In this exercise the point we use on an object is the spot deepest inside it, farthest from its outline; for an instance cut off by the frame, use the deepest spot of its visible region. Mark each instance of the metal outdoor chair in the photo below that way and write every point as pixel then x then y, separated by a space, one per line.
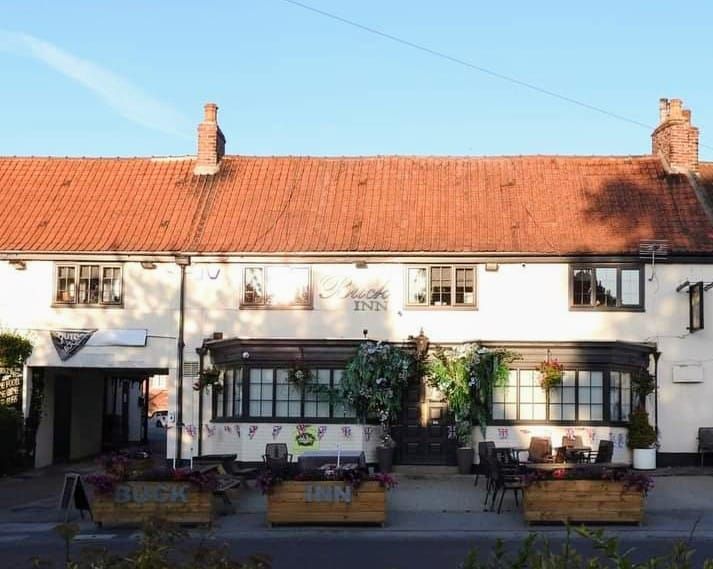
pixel 604 453
pixel 540 450
pixel 501 478
pixel 705 441
pixel 276 458
pixel 484 449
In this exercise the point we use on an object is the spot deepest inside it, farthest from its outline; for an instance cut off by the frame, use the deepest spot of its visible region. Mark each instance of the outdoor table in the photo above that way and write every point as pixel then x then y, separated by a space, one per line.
pixel 576 454
pixel 314 459
pixel 552 466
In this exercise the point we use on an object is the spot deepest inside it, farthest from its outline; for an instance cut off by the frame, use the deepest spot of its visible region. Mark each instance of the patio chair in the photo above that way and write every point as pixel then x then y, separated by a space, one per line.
pixel 705 441
pixel 503 477
pixel 540 450
pixel 276 458
pixel 604 453
pixel 484 448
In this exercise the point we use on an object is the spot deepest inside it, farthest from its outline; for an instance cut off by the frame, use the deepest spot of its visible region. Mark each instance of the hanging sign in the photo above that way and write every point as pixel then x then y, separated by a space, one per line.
pixel 695 307
pixel 69 342
pixel 10 386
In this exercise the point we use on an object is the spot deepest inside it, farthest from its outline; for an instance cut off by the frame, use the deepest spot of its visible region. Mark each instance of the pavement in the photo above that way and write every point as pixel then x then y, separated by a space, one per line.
pixel 428 499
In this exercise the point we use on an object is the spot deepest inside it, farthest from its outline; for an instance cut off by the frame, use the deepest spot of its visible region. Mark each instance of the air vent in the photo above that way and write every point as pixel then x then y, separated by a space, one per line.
pixel 191 369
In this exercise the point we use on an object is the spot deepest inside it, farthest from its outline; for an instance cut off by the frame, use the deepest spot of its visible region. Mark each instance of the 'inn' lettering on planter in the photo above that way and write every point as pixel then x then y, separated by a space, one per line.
pixel 321 493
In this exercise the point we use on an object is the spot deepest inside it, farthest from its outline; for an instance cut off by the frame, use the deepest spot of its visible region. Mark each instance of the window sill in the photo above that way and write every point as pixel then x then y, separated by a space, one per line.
pixel 89 306
pixel 573 308
pixel 273 307
pixel 288 420
pixel 415 307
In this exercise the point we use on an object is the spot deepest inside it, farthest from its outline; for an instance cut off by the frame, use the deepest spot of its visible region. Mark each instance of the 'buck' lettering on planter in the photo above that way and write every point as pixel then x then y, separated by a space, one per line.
pixel 144 493
pixel 318 493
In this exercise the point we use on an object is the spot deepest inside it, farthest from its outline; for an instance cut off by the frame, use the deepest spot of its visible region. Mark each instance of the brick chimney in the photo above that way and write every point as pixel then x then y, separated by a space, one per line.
pixel 211 142
pixel 675 139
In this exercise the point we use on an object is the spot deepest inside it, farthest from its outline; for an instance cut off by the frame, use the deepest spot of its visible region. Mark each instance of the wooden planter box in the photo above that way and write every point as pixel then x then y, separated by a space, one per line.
pixel 135 502
pixel 582 501
pixel 326 502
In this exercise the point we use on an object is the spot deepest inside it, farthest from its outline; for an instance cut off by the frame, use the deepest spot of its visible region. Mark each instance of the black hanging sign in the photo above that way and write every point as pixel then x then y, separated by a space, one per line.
pixel 69 342
pixel 695 303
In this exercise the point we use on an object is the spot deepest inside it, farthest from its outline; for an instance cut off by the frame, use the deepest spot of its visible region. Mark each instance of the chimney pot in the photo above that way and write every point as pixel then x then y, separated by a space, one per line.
pixel 210 112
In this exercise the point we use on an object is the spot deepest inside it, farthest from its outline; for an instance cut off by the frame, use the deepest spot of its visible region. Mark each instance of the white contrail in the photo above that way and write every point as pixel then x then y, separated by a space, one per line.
pixel 127 99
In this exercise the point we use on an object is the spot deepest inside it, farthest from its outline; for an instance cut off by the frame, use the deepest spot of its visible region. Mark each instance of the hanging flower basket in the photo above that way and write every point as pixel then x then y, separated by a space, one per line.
pixel 299 376
pixel 551 372
pixel 209 378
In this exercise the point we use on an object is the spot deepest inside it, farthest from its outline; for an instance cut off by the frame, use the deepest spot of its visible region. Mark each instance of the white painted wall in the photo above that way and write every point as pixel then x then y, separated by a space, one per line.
pixel 518 302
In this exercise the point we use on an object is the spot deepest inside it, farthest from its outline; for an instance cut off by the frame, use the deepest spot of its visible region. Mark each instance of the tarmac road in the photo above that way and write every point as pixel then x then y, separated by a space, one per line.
pixel 334 549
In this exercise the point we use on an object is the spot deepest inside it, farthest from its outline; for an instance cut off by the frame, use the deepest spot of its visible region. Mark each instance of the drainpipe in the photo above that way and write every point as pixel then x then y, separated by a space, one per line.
pixel 182 262
pixel 657 355
pixel 201 357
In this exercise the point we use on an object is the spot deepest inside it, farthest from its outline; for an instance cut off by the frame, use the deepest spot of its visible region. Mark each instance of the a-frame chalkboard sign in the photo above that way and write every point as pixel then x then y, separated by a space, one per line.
pixel 73 489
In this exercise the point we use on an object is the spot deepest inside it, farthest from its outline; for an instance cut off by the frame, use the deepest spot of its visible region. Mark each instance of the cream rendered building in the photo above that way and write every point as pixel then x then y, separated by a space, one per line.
pixel 252 265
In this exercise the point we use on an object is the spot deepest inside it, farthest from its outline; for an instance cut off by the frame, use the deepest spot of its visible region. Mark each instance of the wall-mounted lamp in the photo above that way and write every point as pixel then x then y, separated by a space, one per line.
pixel 246 355
pixel 19 265
pixel 361 265
pixel 148 264
pixel 492 266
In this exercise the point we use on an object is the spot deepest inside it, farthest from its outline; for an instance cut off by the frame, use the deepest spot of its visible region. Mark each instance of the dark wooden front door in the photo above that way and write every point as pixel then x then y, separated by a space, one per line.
pixel 422 436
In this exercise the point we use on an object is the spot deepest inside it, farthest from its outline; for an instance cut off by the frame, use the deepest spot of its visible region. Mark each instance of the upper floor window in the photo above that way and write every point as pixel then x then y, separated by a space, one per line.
pixel 441 286
pixel 87 284
pixel 277 286
pixel 606 287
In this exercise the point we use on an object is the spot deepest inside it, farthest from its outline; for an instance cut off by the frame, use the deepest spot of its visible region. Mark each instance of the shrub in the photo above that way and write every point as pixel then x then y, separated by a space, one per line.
pixel 10 431
pixel 641 433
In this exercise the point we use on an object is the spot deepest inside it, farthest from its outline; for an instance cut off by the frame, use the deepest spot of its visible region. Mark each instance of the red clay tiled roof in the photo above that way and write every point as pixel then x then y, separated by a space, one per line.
pixel 538 204
pixel 705 169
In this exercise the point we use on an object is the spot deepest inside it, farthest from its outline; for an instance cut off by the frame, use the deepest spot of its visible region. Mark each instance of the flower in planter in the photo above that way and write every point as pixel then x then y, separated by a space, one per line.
pixel 119 469
pixel 551 372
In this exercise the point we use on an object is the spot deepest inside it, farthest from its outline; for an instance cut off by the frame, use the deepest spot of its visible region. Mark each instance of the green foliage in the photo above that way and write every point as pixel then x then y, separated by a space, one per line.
pixel 10 436
pixel 641 433
pixel 374 381
pixel 534 555
pixel 159 548
pixel 643 384
pixel 14 349
pixel 466 376
pixel 209 378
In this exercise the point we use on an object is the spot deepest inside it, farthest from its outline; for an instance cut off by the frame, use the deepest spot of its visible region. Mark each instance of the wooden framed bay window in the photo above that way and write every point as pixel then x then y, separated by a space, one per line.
pixel 276 286
pixel 606 287
pixel 264 393
pixel 88 284
pixel 441 286
pixel 585 396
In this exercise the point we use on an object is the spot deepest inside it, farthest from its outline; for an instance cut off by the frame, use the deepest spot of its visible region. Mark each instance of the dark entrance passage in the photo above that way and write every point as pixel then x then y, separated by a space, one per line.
pixel 422 436
pixel 62 431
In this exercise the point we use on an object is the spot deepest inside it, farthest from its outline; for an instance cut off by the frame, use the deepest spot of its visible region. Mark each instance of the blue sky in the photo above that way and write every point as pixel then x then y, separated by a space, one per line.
pixel 130 78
